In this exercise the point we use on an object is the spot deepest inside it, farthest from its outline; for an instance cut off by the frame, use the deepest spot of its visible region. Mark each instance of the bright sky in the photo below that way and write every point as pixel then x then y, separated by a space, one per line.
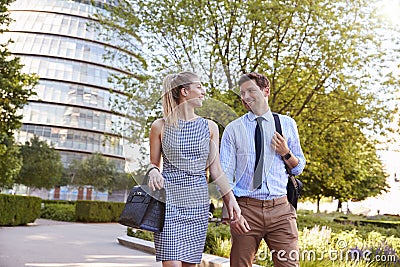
pixel 391 9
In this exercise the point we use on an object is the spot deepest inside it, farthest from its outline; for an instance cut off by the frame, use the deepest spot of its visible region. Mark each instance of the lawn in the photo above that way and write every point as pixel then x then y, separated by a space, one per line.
pixel 325 239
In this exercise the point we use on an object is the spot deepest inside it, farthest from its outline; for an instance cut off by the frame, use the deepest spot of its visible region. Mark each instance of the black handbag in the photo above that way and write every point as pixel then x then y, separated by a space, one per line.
pixel 144 208
pixel 294 186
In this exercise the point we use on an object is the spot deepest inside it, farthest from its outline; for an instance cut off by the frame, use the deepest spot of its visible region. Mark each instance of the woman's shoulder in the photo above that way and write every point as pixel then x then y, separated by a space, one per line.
pixel 211 123
pixel 158 124
pixel 213 127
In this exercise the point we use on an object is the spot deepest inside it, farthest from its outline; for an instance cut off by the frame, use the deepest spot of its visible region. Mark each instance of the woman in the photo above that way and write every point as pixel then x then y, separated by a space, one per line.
pixel 187 144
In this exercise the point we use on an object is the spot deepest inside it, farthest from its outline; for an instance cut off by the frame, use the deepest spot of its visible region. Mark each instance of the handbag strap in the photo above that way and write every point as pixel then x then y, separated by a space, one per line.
pixel 146 176
pixel 157 194
pixel 278 128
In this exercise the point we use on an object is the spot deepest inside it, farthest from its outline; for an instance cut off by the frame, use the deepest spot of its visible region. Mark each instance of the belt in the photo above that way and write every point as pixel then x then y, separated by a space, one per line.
pixel 263 203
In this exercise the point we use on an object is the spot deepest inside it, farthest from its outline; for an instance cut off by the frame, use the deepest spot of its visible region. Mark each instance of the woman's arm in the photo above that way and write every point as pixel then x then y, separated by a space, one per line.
pixel 156 181
pixel 219 176
pixel 215 168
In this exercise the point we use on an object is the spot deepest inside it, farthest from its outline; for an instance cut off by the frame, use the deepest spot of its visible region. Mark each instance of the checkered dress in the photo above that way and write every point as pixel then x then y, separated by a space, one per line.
pixel 185 151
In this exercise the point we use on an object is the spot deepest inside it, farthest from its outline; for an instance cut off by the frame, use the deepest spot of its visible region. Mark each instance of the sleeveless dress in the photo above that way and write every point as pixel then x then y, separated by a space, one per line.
pixel 185 150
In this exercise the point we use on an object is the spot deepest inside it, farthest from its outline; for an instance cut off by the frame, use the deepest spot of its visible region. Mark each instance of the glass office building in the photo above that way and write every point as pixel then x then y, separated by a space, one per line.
pixel 72 107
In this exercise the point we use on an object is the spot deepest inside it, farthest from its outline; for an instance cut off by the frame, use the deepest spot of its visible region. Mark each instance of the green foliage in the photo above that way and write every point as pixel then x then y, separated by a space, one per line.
pixel 345 246
pixel 18 210
pixel 145 235
pixel 122 181
pixel 327 62
pixel 58 201
pixel 15 89
pixel 337 222
pixel 95 170
pixel 10 161
pixel 98 211
pixel 379 223
pixel 135 96
pixel 41 165
pixel 58 212
pixel 218 240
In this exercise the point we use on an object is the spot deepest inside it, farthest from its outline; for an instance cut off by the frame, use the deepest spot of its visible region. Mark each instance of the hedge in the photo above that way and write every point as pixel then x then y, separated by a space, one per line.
pixel 98 211
pixel 18 210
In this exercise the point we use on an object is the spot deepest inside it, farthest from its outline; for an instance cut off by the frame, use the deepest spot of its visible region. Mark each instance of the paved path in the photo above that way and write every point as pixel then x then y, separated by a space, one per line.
pixel 48 243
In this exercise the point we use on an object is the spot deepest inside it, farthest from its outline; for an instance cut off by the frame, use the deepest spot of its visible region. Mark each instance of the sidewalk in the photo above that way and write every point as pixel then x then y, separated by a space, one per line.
pixel 48 243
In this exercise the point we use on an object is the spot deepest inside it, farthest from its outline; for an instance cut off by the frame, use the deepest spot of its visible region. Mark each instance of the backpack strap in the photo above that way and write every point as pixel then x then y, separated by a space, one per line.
pixel 278 128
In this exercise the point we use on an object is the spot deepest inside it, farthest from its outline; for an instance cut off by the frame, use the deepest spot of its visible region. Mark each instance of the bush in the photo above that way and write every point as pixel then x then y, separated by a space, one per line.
pixel 18 210
pixel 142 234
pixel 52 201
pixel 58 212
pixel 218 240
pixel 98 211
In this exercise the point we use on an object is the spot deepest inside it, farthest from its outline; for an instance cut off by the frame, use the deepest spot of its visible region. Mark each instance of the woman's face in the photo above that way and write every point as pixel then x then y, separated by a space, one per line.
pixel 195 94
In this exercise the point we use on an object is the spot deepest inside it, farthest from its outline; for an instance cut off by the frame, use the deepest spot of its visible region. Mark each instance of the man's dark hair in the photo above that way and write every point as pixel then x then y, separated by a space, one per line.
pixel 260 79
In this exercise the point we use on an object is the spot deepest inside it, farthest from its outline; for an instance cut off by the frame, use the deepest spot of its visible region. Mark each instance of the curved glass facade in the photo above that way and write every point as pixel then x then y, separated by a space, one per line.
pixel 72 108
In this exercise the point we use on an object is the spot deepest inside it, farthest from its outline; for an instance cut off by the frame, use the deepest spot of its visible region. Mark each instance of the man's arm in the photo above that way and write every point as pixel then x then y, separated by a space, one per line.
pixel 288 147
pixel 296 150
pixel 228 155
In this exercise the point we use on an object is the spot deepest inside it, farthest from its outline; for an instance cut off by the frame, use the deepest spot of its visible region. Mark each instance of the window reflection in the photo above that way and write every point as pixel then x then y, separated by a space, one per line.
pixel 73 139
pixel 54 40
pixel 70 116
pixel 73 71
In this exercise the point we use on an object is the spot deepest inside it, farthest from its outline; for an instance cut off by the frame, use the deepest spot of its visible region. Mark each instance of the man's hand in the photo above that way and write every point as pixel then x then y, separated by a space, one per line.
pixel 279 144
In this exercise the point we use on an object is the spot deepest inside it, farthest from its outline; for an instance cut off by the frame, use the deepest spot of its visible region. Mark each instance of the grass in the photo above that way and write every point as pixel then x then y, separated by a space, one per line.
pixel 320 234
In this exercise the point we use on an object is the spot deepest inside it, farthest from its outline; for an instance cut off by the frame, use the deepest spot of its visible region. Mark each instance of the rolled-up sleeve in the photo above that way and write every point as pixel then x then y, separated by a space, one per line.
pixel 228 155
pixel 295 147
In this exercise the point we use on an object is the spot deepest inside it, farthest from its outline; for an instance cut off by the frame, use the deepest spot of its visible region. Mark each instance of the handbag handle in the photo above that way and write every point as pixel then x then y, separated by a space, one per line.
pixel 158 194
pixel 146 176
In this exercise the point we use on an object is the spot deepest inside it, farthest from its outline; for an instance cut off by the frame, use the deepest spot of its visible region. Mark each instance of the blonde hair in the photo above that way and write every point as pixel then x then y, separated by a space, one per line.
pixel 172 85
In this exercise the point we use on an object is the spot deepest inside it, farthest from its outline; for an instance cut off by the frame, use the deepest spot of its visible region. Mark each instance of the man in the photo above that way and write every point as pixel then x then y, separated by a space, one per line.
pixel 260 188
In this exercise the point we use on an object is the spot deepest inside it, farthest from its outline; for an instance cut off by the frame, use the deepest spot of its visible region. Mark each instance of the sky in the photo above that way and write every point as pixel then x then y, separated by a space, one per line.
pixel 391 9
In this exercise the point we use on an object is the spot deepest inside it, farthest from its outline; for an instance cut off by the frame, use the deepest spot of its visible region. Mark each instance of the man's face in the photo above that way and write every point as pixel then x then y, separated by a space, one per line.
pixel 252 95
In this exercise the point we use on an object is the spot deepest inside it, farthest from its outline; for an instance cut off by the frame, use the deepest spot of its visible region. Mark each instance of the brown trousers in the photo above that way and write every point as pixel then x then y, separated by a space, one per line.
pixel 271 220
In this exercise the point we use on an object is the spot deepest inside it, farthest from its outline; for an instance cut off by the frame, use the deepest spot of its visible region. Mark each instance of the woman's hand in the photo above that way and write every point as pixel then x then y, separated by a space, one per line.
pixel 232 206
pixel 156 181
pixel 237 222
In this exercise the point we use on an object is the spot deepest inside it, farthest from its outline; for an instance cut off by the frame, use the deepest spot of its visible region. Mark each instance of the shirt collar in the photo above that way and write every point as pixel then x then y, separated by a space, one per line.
pixel 267 116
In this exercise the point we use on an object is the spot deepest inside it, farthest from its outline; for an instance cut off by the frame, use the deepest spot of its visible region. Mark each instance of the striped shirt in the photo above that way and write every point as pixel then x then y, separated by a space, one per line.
pixel 238 156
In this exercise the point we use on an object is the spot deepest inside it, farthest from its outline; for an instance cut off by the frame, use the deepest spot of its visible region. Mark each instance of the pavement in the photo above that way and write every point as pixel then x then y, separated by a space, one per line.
pixel 47 243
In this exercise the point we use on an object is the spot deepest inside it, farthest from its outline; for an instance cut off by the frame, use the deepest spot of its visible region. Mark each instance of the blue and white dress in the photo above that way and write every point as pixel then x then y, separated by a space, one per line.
pixel 185 150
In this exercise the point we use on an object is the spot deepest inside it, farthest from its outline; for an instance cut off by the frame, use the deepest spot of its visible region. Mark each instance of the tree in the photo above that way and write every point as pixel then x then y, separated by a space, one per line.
pixel 122 181
pixel 95 170
pixel 41 165
pixel 10 162
pixel 15 89
pixel 134 95
pixel 322 57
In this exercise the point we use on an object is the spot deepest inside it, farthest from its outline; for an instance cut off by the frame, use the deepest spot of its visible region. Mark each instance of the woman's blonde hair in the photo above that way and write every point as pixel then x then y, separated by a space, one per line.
pixel 172 85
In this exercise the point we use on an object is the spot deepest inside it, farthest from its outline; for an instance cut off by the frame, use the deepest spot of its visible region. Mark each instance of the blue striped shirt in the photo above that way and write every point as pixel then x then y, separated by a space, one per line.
pixel 238 156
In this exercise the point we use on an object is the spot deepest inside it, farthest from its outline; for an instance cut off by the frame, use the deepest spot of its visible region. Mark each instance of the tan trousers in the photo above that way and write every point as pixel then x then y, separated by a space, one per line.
pixel 271 220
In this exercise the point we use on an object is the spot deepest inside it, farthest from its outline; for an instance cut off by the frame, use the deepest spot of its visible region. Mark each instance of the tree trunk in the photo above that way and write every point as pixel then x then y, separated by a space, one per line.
pixel 339 206
pixel 126 194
